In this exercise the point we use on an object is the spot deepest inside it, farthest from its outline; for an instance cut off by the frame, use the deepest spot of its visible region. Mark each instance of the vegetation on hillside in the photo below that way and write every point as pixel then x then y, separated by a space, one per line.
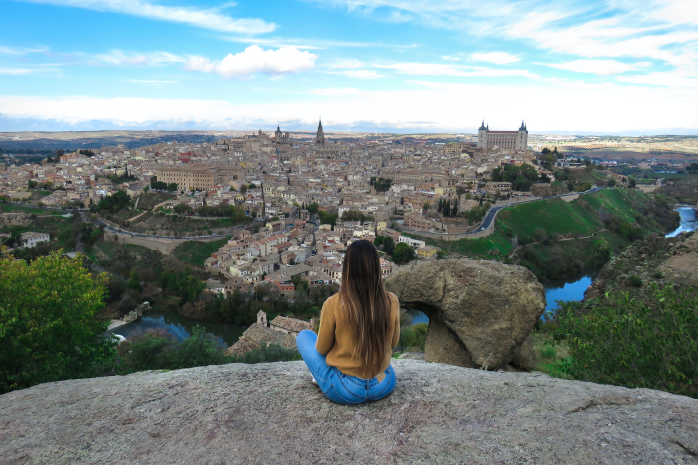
pixel 544 236
pixel 649 342
pixel 196 252
pixel 47 327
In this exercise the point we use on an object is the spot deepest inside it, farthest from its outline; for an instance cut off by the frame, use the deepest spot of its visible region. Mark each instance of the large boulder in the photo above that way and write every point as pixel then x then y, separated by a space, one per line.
pixel 480 312
pixel 271 413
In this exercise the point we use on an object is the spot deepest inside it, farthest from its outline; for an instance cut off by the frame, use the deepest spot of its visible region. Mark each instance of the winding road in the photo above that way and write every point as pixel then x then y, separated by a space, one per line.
pixel 113 230
pixel 492 212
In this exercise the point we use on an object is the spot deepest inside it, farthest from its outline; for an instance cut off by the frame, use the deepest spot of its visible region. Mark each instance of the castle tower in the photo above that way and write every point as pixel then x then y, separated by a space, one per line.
pixel 320 138
pixel 482 136
pixel 522 137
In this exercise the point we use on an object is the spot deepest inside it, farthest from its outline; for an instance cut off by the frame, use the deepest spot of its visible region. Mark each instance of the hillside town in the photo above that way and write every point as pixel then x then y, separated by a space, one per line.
pixel 307 199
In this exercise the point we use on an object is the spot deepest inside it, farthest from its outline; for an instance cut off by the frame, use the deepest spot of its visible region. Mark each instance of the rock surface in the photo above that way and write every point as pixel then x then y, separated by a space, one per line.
pixel 656 259
pixel 480 312
pixel 273 414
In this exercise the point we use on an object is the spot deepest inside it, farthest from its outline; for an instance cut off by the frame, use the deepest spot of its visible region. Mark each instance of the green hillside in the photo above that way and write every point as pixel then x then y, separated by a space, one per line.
pixel 547 231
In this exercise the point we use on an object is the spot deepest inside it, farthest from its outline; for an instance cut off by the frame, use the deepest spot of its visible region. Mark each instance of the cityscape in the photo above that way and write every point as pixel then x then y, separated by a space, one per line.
pixel 343 231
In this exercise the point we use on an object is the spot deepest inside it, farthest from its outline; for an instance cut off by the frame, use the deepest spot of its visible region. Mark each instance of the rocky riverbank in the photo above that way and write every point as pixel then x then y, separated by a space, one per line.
pixel 657 259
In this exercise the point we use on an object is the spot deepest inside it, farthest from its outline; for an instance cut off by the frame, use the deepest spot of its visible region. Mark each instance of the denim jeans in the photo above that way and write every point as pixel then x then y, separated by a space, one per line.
pixel 338 387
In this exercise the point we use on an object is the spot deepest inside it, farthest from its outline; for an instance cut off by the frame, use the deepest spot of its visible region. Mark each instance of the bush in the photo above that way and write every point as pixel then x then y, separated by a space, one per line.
pixel 157 350
pixel 635 280
pixel 635 343
pixel 267 354
pixel 414 336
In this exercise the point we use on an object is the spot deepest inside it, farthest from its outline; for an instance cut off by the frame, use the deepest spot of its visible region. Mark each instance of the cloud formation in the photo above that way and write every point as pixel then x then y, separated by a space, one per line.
pixel 254 60
pixel 598 67
pixel 498 58
pixel 204 18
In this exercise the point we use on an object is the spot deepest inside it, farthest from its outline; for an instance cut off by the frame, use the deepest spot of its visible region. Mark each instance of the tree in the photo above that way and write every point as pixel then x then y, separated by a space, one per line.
pixel 146 189
pixel 328 218
pixel 182 208
pixel 133 282
pixel 313 208
pixel 388 245
pixel 172 187
pixel 403 253
pixel 611 183
pixel 115 202
pixel 426 206
pixel 631 182
pixel 47 327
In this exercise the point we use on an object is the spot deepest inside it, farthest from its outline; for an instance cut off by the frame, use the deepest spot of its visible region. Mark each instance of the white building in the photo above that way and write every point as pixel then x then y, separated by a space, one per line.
pixel 412 242
pixel 507 140
pixel 30 239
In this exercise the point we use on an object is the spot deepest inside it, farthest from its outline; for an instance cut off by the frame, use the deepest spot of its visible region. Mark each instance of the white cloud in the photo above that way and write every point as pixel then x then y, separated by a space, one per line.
pixel 203 18
pixel 436 69
pixel 665 79
pixel 148 81
pixel 361 74
pixel 253 60
pixel 21 50
pixel 17 71
pixel 679 11
pixel 598 67
pixel 598 108
pixel 121 58
pixel 338 92
pixel 499 58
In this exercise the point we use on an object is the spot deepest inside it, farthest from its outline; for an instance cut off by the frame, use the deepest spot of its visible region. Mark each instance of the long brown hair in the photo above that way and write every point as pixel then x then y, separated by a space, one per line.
pixel 365 304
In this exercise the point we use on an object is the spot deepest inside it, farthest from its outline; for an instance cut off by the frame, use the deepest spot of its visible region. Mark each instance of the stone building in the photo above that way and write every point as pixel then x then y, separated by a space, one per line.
pixel 282 331
pixel 188 177
pixel 507 140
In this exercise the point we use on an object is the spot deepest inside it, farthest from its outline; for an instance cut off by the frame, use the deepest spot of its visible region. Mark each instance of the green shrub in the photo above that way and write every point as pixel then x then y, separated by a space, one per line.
pixel 635 280
pixel 548 352
pixel 414 336
pixel 650 343
pixel 267 354
pixel 158 350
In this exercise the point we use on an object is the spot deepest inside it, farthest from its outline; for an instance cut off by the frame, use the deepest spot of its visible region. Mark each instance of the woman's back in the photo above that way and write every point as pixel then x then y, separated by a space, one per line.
pixel 338 340
pixel 359 327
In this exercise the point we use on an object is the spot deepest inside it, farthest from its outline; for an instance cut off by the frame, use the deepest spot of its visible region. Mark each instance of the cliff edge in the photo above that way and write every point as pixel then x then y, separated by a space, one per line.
pixel 273 414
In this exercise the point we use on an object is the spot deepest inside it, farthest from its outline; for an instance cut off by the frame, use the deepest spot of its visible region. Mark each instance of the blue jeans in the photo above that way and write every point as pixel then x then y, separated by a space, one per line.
pixel 338 387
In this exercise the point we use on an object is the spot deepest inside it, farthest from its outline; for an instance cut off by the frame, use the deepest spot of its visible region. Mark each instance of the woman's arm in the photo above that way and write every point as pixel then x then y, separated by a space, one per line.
pixel 396 330
pixel 325 337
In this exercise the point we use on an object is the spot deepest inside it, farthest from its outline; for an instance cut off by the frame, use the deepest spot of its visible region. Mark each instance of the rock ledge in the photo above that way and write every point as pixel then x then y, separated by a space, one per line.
pixel 272 414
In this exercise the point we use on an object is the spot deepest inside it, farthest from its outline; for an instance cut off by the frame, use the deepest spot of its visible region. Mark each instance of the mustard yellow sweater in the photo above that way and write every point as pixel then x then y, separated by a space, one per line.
pixel 336 340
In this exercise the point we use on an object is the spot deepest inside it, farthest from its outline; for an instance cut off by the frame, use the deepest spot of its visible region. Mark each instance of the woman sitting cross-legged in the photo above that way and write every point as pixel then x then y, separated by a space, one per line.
pixel 359 327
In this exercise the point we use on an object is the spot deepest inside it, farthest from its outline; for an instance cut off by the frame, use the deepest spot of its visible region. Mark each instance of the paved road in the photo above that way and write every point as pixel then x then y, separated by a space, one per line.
pixel 117 230
pixel 492 212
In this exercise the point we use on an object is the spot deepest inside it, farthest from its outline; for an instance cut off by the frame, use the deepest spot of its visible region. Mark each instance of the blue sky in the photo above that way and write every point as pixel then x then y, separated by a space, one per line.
pixel 363 65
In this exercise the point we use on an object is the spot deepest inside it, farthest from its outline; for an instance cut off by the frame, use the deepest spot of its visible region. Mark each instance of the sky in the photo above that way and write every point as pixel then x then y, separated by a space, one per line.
pixel 563 66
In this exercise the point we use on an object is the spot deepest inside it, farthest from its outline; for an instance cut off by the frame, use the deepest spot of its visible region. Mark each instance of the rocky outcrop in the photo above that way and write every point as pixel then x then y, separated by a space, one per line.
pixel 273 414
pixel 480 312
pixel 656 259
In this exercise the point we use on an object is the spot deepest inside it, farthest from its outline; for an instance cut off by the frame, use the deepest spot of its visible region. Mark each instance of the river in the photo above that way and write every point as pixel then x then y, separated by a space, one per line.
pixel 569 289
pixel 180 327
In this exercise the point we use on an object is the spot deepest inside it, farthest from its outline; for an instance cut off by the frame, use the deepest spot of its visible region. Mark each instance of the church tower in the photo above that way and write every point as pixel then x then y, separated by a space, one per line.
pixel 320 138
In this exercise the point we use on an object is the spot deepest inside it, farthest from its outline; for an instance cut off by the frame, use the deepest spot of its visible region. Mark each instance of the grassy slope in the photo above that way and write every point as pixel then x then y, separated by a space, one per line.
pixel 565 218
pixel 196 252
